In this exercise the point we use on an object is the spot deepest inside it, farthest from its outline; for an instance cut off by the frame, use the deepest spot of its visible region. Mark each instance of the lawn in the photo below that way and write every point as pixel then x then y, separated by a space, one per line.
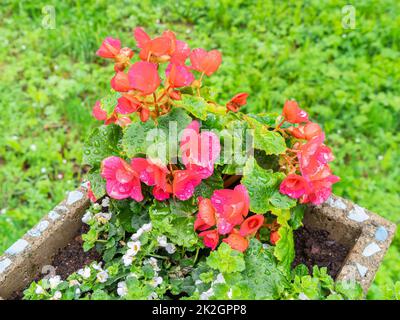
pixel 347 79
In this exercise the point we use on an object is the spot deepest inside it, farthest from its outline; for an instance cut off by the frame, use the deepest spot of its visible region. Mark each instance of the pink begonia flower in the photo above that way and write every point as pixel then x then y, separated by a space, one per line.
pixel 184 183
pixel 120 82
pixel 231 207
pixel 210 238
pixel 153 175
pixel 181 52
pixel 206 216
pixel 294 186
pixel 179 76
pixel 237 242
pixel 199 150
pixel 293 114
pixel 109 48
pixel 205 61
pixel 98 112
pixel 143 76
pixel 127 105
pixel 122 181
pixel 251 225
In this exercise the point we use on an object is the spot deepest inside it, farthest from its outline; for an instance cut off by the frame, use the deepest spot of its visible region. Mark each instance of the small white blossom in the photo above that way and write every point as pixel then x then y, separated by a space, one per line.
pixel 87 217
pixel 57 295
pixel 147 227
pixel 54 282
pixel 207 294
pixel 122 289
pixel 198 282
pixel 303 296
pixel 156 281
pixel 3 211
pixel 230 292
pixel 33 147
pixel 39 290
pixel 170 248
pixel 105 202
pixel 127 260
pixel 162 241
pixel 73 283
pixel 97 266
pixel 96 206
pixel 103 217
pixel 153 262
pixel 380 157
pixel 220 279
pixel 134 247
pixel 84 273
pixel 137 235
pixel 43 170
pixel 78 292
pixel 102 276
pixel 152 296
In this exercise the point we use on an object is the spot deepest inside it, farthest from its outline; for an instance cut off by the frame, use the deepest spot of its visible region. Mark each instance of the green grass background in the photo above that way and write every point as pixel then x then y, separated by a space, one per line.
pixel 348 80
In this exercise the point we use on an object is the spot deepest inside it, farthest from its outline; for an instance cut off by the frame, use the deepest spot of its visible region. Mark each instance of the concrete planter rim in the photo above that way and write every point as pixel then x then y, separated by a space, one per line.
pixel 367 234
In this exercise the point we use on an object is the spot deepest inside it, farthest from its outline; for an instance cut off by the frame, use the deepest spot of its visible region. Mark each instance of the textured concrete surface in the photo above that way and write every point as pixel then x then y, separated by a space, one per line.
pixel 24 260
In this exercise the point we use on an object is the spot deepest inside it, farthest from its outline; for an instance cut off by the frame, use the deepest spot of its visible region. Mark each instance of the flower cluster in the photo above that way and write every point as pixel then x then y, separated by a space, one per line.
pixel 227 210
pixel 199 153
pixel 314 183
pixel 140 87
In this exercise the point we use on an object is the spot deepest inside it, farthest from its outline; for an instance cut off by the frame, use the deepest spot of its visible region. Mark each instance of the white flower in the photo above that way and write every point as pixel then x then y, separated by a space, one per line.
pixel 84 273
pixel 96 206
pixel 87 217
pixel 33 147
pixel 3 211
pixel 39 290
pixel 134 247
pixel 73 283
pixel 162 241
pixel 170 247
pixel 132 275
pixel 207 294
pixel 302 296
pixel 54 282
pixel 57 295
pixel 105 202
pixel 152 296
pixel 220 279
pixel 230 292
pixel 147 227
pixel 102 276
pixel 127 260
pixel 78 292
pixel 103 217
pixel 153 262
pixel 43 170
pixel 137 235
pixel 198 282
pixel 97 266
pixel 156 281
pixel 122 289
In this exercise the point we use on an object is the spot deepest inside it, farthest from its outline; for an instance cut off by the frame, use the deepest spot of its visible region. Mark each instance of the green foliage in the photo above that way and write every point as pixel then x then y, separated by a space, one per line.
pixel 197 106
pixel 226 260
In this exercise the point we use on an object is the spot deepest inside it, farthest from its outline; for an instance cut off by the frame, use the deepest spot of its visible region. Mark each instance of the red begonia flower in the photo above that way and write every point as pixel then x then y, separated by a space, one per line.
pixel 98 112
pixel 153 175
pixel 237 101
pixel 144 114
pixel 274 237
pixel 109 48
pixel 122 181
pixel 159 46
pixel 120 82
pixel 237 242
pixel 122 59
pixel 293 114
pixel 184 183
pixel 251 225
pixel 294 186
pixel 127 104
pixel 231 207
pixel 199 150
pixel 90 193
pixel 210 238
pixel 308 131
pixel 143 76
pixel 207 62
pixel 178 76
pixel 181 53
pixel 206 216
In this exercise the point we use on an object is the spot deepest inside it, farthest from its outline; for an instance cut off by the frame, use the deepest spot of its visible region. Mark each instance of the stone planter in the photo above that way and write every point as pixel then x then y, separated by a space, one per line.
pixel 367 234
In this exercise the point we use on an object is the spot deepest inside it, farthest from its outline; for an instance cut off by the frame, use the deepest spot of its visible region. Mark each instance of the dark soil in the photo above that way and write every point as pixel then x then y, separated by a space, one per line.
pixel 314 247
pixel 69 259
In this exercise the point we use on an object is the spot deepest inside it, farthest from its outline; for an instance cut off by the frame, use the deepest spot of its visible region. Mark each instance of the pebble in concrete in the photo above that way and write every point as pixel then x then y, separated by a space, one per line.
pixel 73 197
pixel 362 270
pixel 4 264
pixel 371 249
pixel 338 203
pixel 381 233
pixel 17 247
pixel 37 231
pixel 358 214
pixel 53 215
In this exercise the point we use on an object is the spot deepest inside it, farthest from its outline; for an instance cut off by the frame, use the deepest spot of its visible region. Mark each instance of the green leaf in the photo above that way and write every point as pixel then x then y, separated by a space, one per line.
pixel 102 143
pixel 197 106
pixel 271 142
pixel 109 102
pixel 97 184
pixel 137 136
pixel 226 260
pixel 296 216
pixel 284 249
pixel 207 186
pixel 263 188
